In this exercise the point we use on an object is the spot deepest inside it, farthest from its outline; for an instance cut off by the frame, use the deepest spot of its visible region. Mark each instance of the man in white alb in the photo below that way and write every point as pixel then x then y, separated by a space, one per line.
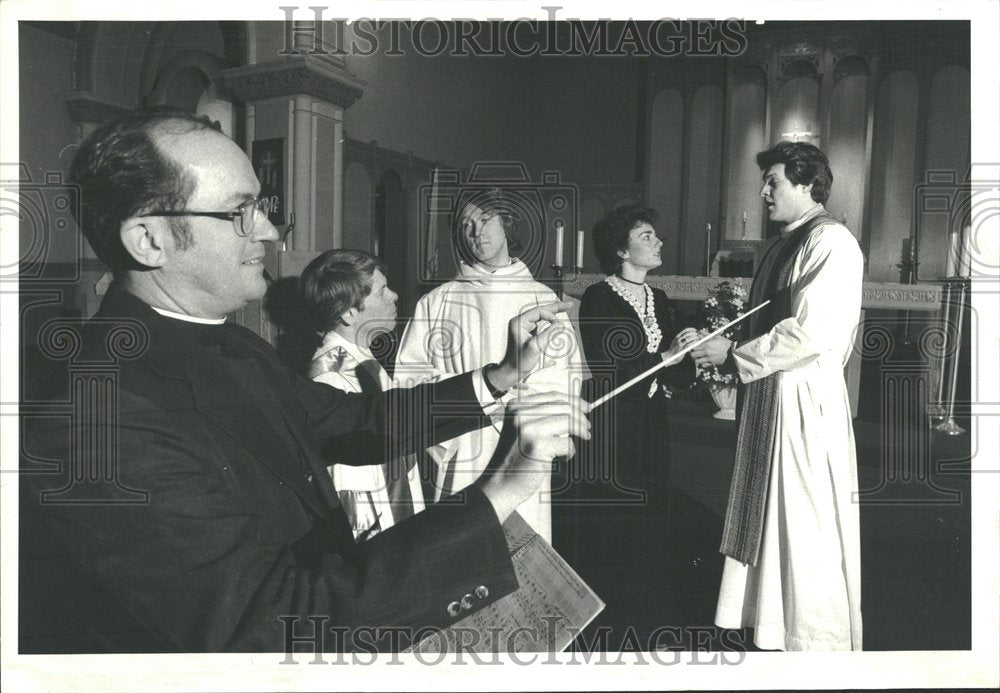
pixel 791 534
pixel 461 323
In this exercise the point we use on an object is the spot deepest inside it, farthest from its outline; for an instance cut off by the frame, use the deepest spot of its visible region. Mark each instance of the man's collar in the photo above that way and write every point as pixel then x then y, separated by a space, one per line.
pixel 809 214
pixel 188 318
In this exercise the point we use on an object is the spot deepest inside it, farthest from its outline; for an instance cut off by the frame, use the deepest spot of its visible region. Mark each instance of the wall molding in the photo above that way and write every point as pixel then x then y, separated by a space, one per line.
pixel 295 75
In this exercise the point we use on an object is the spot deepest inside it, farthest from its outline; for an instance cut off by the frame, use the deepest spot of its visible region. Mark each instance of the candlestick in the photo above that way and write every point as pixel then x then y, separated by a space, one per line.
pixel 708 249
pixel 743 235
pixel 559 243
pixel 579 248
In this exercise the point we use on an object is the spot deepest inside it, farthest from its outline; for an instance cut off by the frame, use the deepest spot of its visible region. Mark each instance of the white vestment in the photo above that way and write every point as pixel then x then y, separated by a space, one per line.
pixel 462 325
pixel 362 489
pixel 805 592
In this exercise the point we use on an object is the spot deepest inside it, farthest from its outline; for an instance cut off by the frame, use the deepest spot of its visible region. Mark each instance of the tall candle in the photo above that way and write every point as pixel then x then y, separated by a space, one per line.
pixel 954 247
pixel 965 256
pixel 708 249
pixel 559 244
pixel 579 248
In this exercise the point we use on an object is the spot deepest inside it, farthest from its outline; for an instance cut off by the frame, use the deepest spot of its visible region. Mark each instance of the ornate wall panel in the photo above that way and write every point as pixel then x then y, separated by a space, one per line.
pixel 704 177
pixel 747 127
pixel 665 156
pixel 892 173
pixel 846 149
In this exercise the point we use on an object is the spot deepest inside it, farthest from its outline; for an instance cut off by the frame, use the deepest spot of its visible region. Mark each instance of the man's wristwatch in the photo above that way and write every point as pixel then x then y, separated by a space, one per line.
pixel 494 392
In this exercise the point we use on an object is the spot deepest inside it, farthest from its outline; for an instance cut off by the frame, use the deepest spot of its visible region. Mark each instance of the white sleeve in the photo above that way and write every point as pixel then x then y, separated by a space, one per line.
pixel 560 368
pixel 415 366
pixel 826 302
pixel 413 359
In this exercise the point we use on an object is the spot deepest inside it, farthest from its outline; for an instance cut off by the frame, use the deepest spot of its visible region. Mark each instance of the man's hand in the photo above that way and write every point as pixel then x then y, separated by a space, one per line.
pixel 712 353
pixel 545 421
pixel 527 336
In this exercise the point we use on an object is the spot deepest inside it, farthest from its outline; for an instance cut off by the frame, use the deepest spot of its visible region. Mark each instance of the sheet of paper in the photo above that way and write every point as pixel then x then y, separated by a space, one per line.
pixel 550 607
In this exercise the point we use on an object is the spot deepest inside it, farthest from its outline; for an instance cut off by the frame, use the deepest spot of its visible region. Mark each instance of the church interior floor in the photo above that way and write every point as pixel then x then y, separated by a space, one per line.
pixel 915 532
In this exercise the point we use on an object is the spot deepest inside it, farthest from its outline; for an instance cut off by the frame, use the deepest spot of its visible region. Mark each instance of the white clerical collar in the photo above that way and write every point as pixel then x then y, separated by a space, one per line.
pixel 188 318
pixel 810 213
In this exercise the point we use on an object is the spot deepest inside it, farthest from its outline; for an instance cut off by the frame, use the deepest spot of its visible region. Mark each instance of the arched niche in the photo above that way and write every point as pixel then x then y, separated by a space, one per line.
pixel 893 160
pixel 358 207
pixel 948 143
pixel 795 110
pixel 747 129
pixel 847 142
pixel 666 148
pixel 391 235
pixel 703 176
pixel 591 211
pixel 192 80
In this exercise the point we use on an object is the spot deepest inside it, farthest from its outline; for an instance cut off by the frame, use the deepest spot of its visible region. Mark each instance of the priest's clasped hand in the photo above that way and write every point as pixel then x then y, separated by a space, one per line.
pixel 712 353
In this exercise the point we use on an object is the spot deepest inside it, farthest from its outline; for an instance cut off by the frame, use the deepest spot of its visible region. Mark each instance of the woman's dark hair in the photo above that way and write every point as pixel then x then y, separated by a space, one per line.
pixel 494 202
pixel 611 234
pixel 122 173
pixel 334 282
pixel 804 164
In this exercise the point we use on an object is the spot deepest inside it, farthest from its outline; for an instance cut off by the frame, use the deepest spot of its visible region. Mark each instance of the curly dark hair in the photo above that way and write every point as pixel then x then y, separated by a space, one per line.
pixel 334 282
pixel 611 234
pixel 804 164
pixel 121 173
pixel 493 201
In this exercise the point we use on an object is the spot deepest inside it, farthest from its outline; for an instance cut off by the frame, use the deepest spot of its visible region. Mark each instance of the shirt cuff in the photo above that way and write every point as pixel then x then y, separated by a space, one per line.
pixel 491 406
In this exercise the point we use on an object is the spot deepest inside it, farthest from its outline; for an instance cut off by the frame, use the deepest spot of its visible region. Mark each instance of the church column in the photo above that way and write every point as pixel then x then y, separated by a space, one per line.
pixel 297 105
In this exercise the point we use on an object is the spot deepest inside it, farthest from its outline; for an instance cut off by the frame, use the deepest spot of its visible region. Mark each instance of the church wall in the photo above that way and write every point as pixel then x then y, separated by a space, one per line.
pixel 46 136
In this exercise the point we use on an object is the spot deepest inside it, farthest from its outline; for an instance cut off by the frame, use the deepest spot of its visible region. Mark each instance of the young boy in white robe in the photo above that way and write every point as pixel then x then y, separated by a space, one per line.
pixel 463 324
pixel 348 299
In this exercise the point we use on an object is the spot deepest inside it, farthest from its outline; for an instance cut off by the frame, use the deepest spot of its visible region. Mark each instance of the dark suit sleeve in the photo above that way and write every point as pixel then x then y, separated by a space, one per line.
pixel 202 545
pixel 378 428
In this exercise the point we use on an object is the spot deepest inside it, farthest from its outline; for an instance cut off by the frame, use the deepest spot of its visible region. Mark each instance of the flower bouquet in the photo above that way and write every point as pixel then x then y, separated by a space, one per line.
pixel 725 302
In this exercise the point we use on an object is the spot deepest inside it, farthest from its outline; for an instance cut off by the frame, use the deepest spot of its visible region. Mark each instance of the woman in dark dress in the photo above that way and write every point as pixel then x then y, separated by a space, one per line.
pixel 622 504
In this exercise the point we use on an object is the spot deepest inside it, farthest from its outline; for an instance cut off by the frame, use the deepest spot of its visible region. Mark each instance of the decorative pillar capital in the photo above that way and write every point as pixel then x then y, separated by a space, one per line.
pixel 299 74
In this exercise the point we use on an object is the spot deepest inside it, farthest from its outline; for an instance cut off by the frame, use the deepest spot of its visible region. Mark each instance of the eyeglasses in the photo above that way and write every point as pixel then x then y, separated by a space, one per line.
pixel 248 213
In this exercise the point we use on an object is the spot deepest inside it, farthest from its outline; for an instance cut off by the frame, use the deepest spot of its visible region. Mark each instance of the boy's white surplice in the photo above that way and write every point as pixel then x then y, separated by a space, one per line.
pixel 462 325
pixel 805 593
pixel 362 489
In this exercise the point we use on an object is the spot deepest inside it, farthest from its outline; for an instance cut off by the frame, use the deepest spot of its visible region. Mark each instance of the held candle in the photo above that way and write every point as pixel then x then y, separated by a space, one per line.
pixel 579 248
pixel 559 244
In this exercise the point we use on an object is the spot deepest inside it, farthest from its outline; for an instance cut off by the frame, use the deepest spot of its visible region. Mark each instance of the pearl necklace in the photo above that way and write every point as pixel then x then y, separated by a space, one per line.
pixel 646 313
